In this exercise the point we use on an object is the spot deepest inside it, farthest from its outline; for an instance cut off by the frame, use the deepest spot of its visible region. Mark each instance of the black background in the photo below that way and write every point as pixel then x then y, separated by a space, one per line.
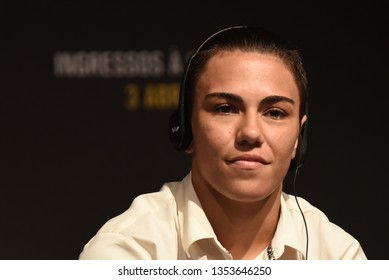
pixel 72 156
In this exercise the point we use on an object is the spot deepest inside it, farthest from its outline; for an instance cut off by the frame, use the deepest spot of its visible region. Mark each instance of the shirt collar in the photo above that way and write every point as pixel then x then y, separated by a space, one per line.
pixel 290 228
pixel 194 224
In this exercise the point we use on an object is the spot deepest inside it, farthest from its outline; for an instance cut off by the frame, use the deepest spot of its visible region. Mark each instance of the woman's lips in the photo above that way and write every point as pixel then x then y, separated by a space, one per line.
pixel 247 161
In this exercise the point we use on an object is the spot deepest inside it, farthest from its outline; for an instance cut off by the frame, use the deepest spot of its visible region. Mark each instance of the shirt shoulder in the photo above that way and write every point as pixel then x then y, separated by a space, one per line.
pixel 146 206
pixel 146 230
pixel 327 240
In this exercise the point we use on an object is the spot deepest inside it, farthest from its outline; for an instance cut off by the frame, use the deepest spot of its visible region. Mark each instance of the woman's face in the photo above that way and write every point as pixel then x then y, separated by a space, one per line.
pixel 245 125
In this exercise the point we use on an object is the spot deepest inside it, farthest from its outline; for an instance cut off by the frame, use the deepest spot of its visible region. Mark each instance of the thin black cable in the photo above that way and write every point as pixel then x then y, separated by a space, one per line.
pixel 301 211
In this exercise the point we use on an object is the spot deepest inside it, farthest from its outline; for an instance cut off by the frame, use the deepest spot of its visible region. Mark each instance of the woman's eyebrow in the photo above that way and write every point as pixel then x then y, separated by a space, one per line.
pixel 225 96
pixel 272 99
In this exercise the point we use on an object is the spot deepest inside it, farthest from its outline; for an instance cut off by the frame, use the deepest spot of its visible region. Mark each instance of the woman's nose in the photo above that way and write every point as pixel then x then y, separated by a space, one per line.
pixel 249 131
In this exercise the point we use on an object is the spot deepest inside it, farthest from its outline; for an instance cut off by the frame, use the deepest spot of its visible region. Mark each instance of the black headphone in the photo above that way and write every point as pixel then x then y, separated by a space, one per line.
pixel 180 132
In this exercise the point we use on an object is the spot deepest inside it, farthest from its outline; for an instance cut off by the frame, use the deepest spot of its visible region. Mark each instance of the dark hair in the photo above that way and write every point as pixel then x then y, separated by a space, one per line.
pixel 234 38
pixel 245 39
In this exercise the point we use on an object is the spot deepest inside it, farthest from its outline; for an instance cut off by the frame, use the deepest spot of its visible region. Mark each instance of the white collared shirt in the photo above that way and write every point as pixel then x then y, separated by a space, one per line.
pixel 171 224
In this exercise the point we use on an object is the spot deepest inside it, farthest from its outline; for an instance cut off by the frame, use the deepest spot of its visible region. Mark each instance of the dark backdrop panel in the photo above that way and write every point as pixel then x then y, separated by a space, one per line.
pixel 86 92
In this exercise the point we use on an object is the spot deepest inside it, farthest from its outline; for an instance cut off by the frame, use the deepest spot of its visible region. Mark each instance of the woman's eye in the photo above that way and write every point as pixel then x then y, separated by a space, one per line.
pixel 276 114
pixel 225 109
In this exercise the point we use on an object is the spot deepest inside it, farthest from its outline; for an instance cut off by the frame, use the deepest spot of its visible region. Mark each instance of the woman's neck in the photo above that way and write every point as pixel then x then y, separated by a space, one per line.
pixel 244 228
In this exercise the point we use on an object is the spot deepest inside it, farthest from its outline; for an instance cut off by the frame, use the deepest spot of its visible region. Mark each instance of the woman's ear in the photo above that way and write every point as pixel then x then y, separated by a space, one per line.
pixel 303 120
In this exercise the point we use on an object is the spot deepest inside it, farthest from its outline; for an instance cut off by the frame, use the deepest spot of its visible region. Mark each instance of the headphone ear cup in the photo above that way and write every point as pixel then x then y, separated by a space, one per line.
pixel 180 133
pixel 175 130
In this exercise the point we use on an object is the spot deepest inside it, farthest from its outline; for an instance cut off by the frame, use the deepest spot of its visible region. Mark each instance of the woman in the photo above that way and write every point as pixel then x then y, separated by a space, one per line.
pixel 241 116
